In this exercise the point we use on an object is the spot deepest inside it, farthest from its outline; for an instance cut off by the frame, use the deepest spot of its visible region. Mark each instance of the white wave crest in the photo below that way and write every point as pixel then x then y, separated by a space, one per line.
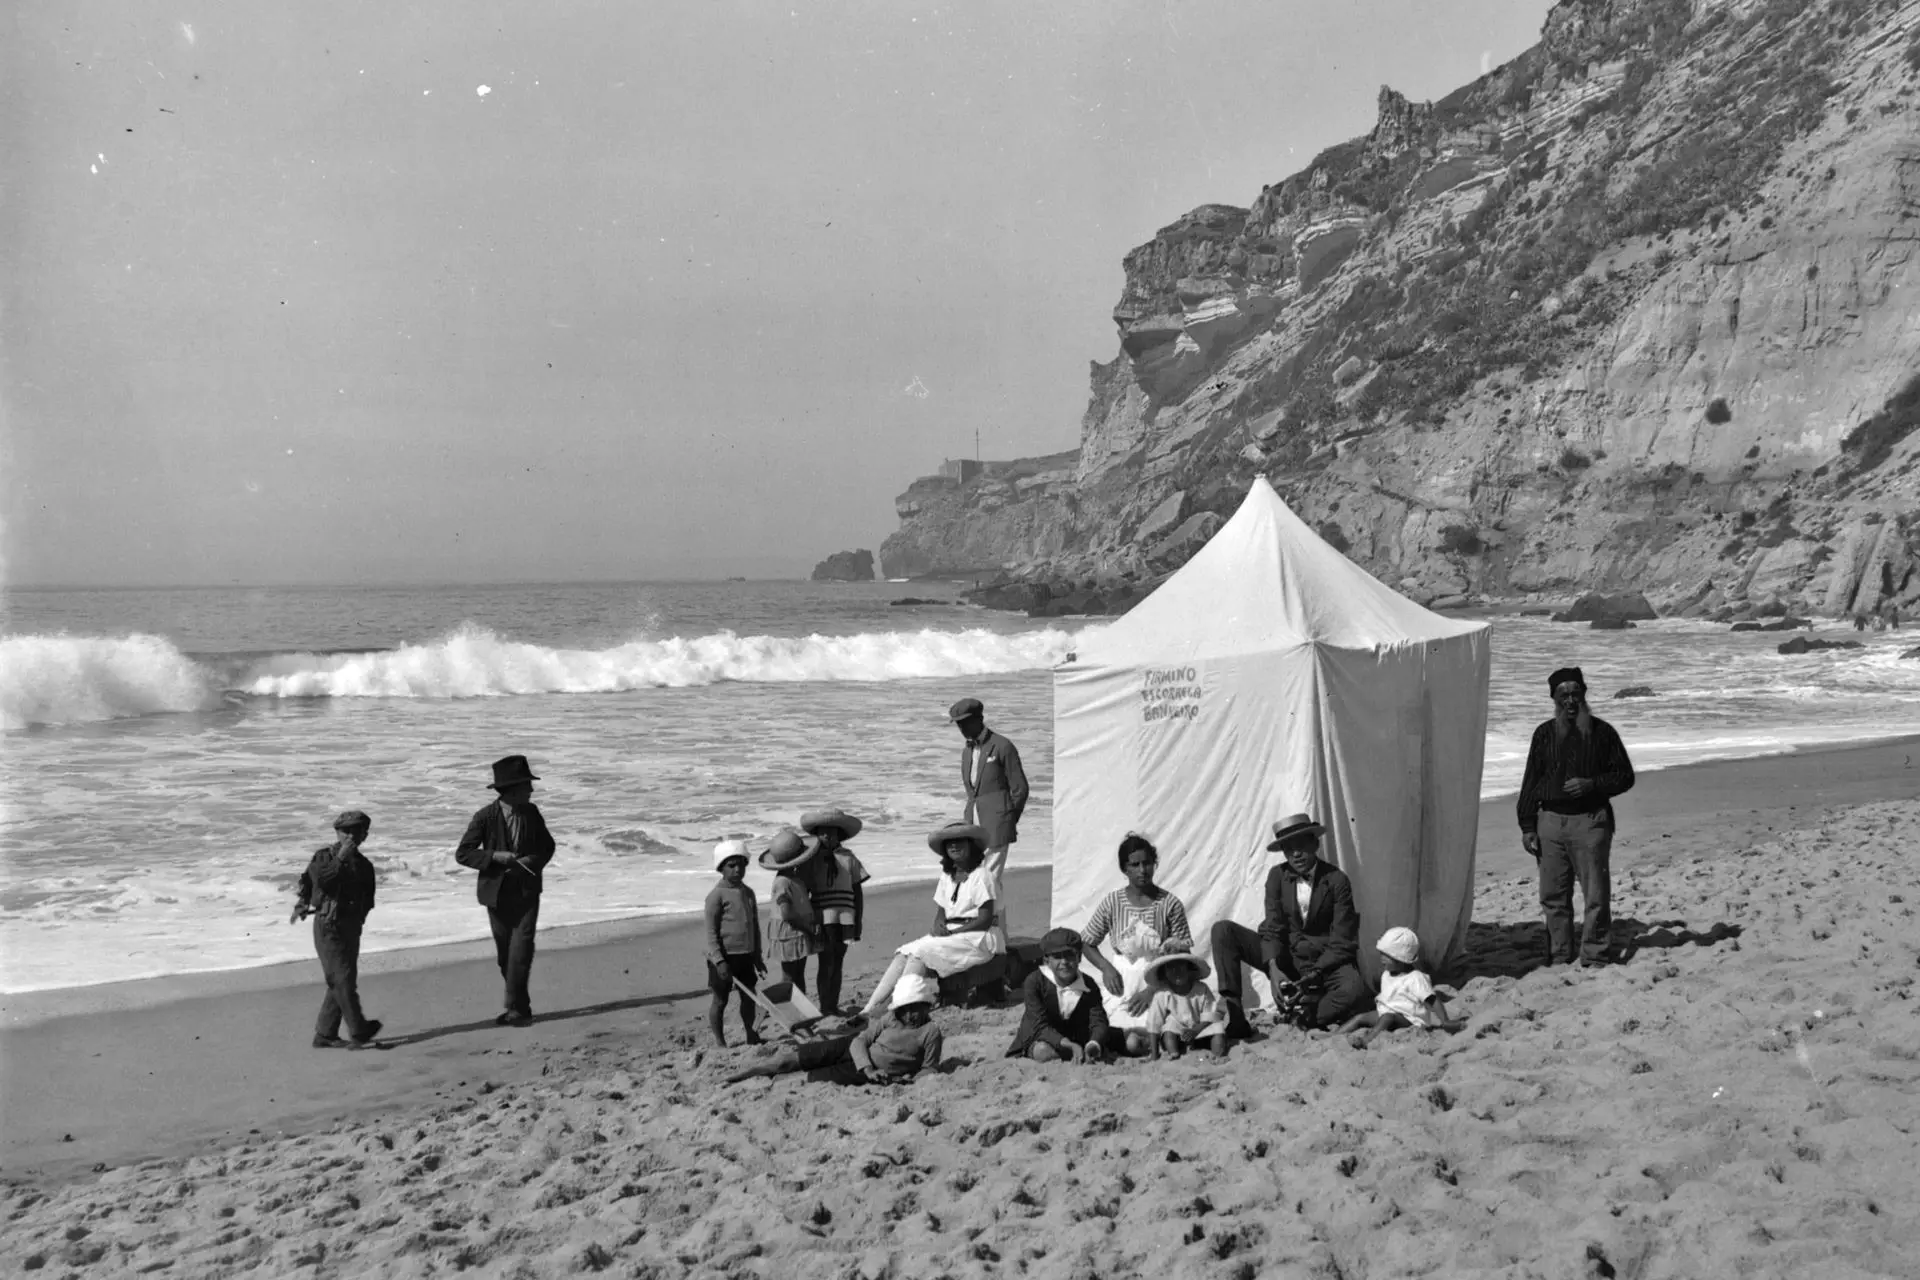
pixel 52 680
pixel 473 662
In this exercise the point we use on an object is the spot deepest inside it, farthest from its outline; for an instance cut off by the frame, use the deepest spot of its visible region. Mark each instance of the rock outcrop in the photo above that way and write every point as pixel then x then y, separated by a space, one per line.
pixel 1638 310
pixel 845 566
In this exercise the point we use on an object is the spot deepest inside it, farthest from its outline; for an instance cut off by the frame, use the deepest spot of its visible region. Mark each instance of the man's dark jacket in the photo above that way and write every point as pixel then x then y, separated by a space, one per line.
pixel 1329 936
pixel 1589 750
pixel 1001 796
pixel 1042 1020
pixel 488 831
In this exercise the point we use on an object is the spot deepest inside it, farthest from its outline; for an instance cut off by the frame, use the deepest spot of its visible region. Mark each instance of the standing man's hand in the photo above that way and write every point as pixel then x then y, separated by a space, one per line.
pixel 501 857
pixel 1578 787
pixel 1530 841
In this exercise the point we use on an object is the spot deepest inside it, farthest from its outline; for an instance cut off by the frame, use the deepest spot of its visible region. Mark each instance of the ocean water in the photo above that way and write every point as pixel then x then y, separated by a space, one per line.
pixel 170 758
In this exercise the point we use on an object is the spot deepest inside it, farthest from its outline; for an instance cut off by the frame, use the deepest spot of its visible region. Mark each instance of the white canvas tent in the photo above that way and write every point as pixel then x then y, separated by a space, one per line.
pixel 1271 675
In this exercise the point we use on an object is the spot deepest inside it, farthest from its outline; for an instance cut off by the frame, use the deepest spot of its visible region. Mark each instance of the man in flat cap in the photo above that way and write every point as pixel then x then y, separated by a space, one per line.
pixel 336 889
pixel 509 845
pixel 995 784
pixel 1576 764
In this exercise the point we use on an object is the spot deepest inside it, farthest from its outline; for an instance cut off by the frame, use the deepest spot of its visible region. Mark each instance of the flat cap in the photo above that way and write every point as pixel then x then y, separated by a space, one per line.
pixel 352 820
pixel 964 708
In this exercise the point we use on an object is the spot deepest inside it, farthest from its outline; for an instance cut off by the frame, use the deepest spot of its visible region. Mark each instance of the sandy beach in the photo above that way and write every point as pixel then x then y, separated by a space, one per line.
pixel 1736 1099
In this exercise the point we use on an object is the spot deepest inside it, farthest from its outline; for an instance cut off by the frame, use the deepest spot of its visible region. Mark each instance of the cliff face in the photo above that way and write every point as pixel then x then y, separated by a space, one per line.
pixel 1640 308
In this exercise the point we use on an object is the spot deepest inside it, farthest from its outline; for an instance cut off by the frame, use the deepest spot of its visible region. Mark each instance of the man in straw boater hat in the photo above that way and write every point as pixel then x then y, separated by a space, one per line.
pixel 1576 764
pixel 1309 939
pixel 994 781
pixel 509 845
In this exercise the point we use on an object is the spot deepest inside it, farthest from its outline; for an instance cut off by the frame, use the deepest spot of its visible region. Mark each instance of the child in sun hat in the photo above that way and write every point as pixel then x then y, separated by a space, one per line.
pixel 796 931
pixel 733 939
pixel 1184 1012
pixel 839 902
pixel 890 1050
pixel 1407 997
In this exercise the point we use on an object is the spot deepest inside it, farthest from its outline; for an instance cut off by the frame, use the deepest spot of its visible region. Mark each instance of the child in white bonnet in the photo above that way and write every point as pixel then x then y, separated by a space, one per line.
pixel 1407 997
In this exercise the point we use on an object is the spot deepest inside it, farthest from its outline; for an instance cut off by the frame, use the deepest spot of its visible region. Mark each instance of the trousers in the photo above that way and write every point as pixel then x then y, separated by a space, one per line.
pixel 337 943
pixel 513 922
pixel 1343 993
pixel 1576 846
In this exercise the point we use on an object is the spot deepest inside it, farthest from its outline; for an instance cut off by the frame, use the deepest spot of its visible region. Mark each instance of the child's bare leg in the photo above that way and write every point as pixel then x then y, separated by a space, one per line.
pixel 746 1021
pixel 716 1016
pixel 1041 1051
pixel 1219 1046
pixel 1356 1022
pixel 780 1064
pixel 1170 1045
pixel 1138 1044
pixel 896 969
pixel 1382 1023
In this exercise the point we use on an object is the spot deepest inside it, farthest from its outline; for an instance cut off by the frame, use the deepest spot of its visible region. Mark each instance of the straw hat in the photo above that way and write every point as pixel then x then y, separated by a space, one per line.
pixel 1292 827
pixel 813 820
pixel 789 850
pixel 937 840
pixel 727 850
pixel 915 988
pixel 1399 943
pixel 1155 977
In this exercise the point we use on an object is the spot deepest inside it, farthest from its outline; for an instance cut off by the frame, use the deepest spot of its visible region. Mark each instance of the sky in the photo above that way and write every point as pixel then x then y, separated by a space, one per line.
pixel 450 292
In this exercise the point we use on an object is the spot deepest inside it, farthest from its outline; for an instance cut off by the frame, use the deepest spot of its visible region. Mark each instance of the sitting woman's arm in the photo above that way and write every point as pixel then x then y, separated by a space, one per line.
pixel 939 929
pixel 979 922
pixel 1179 934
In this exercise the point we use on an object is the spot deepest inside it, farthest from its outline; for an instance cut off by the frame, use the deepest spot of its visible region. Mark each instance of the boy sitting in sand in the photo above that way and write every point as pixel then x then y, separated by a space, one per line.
pixel 891 1050
pixel 1407 997
pixel 1065 1019
pixel 1184 1011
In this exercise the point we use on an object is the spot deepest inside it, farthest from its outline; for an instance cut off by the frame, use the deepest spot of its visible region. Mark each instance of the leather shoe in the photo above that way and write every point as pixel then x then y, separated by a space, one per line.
pixel 503 1019
pixel 368 1032
pixel 329 1042
pixel 516 1020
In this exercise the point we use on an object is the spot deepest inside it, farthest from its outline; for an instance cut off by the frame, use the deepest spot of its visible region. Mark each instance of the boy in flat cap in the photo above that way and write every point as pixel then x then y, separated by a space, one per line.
pixel 336 889
pixel 509 845
pixel 1576 764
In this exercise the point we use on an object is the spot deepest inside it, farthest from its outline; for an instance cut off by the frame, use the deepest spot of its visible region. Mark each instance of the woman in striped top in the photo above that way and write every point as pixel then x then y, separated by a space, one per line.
pixel 1139 922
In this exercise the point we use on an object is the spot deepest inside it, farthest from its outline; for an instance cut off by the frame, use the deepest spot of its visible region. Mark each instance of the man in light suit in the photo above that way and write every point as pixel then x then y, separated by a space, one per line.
pixel 509 845
pixel 995 784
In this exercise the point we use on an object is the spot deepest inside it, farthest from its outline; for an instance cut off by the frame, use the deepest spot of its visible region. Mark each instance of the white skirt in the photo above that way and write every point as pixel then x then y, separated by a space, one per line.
pixel 957 952
pixel 1133 975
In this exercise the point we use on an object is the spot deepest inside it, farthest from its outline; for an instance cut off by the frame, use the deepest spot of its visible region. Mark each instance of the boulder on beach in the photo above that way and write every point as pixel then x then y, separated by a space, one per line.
pixel 845 566
pixel 1783 624
pixel 1801 644
pixel 1635 691
pixel 1610 624
pixel 1016 597
pixel 917 600
pixel 1912 653
pixel 1628 606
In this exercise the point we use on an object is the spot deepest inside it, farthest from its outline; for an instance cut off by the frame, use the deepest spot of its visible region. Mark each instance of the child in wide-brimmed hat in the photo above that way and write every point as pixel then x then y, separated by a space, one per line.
pixel 733 940
pixel 839 903
pixel 1407 997
pixel 1185 1012
pixel 796 931
pixel 890 1050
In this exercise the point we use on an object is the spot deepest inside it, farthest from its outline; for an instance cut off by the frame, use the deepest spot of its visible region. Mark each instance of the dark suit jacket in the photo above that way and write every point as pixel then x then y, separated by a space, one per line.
pixel 1329 936
pixel 488 831
pixel 1042 1020
pixel 997 803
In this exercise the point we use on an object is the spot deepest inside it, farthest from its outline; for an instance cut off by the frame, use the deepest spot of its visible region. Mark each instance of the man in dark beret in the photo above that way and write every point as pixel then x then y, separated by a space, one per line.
pixel 336 889
pixel 1576 764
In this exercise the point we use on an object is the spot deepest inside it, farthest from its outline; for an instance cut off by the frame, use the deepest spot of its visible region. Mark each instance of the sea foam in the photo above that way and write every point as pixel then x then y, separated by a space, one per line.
pixel 51 680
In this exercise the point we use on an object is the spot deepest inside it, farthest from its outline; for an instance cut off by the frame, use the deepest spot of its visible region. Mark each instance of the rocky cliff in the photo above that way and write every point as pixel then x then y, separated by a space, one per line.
pixel 1639 308
pixel 845 566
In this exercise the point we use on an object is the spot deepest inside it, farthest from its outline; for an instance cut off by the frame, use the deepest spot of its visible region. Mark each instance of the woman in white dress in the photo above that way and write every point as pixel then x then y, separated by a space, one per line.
pixel 966 927
pixel 1139 922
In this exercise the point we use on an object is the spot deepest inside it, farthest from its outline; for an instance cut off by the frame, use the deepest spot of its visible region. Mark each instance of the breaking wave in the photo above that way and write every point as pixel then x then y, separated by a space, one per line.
pixel 51 680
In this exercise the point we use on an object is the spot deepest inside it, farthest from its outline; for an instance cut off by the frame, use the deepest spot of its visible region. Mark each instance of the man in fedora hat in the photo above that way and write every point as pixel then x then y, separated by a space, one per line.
pixel 509 845
pixel 1310 936
pixel 995 784
pixel 1576 764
